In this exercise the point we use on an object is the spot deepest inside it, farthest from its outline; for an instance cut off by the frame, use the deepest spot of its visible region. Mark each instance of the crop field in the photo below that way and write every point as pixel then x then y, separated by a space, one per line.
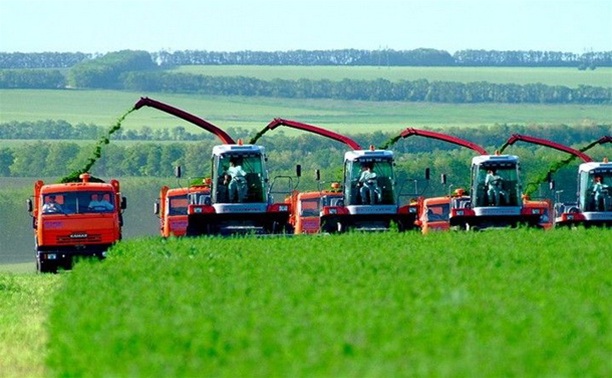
pixel 569 77
pixel 499 303
pixel 103 108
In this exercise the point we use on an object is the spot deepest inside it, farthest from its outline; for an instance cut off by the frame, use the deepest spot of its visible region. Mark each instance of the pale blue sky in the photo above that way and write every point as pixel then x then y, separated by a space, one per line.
pixel 99 26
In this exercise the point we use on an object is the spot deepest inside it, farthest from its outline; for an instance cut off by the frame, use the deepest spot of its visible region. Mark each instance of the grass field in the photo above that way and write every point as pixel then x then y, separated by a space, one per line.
pixel 105 107
pixel 569 77
pixel 501 303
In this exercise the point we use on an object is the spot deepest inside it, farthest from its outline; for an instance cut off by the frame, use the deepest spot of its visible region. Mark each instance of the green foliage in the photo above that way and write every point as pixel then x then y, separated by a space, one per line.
pixel 48 79
pixel 107 71
pixel 25 301
pixel 448 304
pixel 97 153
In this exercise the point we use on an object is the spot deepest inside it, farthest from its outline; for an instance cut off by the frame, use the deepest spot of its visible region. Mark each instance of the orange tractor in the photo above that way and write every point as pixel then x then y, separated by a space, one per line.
pixel 358 204
pixel 75 220
pixel 240 203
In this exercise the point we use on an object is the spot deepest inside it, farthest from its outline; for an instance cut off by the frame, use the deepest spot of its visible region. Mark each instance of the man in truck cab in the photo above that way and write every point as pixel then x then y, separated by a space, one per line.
pixel 98 202
pixel 51 205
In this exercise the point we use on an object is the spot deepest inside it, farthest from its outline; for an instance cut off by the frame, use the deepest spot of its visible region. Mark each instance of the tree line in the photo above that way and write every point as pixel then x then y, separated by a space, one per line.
pixel 340 57
pixel 136 71
pixel 46 158
pixel 60 130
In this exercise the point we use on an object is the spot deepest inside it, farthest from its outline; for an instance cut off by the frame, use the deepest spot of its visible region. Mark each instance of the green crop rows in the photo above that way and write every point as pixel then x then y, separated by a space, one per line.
pixel 500 303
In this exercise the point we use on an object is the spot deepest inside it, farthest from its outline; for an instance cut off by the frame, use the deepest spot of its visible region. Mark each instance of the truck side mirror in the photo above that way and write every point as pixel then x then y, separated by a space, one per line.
pixel 317 175
pixel 30 206
pixel 156 208
pixel 298 170
pixel 443 178
pixel 427 174
pixel 123 203
pixel 551 184
pixel 177 171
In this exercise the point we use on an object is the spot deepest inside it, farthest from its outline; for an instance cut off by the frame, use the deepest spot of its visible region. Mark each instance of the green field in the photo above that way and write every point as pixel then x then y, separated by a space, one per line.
pixel 493 304
pixel 103 108
pixel 569 77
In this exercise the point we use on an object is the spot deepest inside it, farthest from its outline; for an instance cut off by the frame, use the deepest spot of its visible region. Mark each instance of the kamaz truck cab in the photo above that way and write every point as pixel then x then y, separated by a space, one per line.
pixel 75 220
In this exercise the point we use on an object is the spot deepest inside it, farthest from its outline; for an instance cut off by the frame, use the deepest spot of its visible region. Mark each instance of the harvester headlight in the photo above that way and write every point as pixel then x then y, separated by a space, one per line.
pixel 197 210
pixel 283 208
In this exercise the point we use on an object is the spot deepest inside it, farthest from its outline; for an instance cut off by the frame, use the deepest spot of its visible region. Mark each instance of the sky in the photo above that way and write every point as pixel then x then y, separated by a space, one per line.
pixel 100 26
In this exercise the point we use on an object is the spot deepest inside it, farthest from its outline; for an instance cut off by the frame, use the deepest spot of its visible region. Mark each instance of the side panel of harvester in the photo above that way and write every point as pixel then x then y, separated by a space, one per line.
pixel 68 226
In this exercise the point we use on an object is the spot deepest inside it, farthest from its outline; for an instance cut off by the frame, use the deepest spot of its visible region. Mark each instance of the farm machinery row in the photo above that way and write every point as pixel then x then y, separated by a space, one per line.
pixel 495 198
pixel 239 197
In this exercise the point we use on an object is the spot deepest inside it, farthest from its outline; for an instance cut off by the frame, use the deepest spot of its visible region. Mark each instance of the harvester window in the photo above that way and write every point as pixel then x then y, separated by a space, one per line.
pixel 241 178
pixel 497 185
pixel 363 190
pixel 597 196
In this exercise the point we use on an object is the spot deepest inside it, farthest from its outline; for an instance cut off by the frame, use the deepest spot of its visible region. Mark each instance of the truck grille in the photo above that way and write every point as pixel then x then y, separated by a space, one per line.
pixel 79 237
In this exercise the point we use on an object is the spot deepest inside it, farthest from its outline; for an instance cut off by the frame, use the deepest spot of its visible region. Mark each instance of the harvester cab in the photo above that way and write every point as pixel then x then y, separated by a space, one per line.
pixel 454 210
pixel 369 200
pixel 240 202
pixel 593 206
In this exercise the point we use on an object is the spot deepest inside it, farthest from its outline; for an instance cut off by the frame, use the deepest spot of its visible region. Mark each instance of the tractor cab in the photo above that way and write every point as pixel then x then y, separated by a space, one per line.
pixel 239 174
pixel 374 187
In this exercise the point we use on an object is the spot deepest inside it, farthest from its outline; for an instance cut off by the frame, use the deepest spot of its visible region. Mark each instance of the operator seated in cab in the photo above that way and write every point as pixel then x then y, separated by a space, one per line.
pixel 600 193
pixel 368 183
pixel 51 205
pixel 237 185
pixel 493 182
pixel 98 203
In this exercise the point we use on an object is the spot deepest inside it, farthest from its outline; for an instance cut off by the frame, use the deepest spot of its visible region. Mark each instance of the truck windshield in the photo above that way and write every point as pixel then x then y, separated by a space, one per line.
pixel 78 202
pixel 309 207
pixel 177 205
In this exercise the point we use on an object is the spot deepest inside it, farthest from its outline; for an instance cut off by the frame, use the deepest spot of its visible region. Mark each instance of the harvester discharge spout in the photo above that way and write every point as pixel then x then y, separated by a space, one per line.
pixel 222 135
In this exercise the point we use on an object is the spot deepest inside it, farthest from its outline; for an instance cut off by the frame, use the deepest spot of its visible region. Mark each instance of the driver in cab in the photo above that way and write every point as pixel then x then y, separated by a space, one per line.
pixel 99 203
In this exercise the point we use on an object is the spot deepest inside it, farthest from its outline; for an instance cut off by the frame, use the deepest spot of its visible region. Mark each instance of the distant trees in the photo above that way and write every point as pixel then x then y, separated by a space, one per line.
pixel 32 79
pixel 107 71
pixel 150 158
pixel 343 57
pixel 143 71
